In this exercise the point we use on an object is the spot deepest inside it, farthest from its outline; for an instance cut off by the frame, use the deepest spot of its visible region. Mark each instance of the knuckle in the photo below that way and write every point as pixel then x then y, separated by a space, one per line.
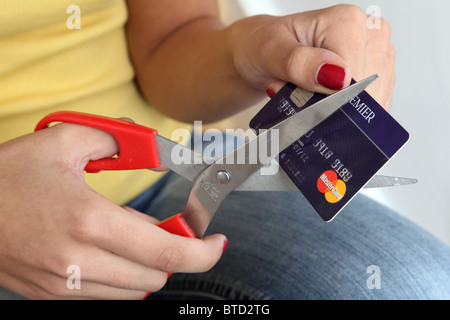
pixel 66 137
pixel 293 62
pixel 350 13
pixel 82 228
pixel 86 226
pixel 65 134
pixel 170 259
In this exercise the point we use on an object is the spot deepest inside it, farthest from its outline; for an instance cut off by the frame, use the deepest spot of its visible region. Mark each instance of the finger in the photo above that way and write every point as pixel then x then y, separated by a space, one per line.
pixel 18 285
pixel 141 215
pixel 313 69
pixel 114 229
pixel 144 243
pixel 108 269
pixel 89 290
pixel 41 285
pixel 79 144
pixel 388 77
pixel 343 30
pixel 389 94
pixel 85 269
pixel 274 87
pixel 86 290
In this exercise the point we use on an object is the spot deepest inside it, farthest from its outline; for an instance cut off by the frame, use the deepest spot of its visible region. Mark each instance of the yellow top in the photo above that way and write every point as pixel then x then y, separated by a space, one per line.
pixel 50 60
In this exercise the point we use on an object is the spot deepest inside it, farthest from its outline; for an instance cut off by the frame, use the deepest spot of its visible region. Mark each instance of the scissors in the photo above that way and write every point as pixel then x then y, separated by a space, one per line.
pixel 142 148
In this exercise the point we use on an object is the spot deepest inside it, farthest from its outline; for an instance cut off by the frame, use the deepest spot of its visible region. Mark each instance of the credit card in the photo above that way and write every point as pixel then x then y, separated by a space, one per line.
pixel 332 163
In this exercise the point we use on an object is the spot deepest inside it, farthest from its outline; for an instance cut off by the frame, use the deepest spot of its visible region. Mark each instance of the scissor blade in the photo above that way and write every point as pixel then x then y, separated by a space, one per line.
pixel 301 123
pixel 387 181
pixel 181 159
pixel 190 164
pixel 210 189
pixel 171 152
pixel 280 181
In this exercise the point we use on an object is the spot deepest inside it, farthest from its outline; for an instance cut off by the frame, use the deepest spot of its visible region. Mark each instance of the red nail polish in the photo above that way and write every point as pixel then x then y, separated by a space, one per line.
pixel 225 245
pixel 331 76
pixel 270 93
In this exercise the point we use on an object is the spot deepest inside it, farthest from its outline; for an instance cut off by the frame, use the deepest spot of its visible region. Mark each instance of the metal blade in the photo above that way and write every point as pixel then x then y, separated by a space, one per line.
pixel 181 159
pixel 214 183
pixel 301 123
pixel 280 181
pixel 387 181
pixel 189 164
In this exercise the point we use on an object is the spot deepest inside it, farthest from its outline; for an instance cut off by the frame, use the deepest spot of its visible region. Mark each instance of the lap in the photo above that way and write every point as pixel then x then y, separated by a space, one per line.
pixel 279 248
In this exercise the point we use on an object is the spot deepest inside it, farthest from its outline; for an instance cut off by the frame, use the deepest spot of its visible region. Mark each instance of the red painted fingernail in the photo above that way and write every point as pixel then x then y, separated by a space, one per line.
pixel 225 245
pixel 331 76
pixel 270 93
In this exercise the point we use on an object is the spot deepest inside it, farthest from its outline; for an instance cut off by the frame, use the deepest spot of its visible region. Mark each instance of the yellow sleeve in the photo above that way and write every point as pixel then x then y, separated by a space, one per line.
pixel 47 65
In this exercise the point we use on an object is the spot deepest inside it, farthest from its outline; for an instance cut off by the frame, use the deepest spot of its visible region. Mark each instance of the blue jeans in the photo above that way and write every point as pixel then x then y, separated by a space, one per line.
pixel 279 248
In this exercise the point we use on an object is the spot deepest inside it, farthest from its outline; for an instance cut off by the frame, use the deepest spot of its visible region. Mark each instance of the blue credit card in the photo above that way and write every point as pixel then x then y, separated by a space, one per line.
pixel 332 163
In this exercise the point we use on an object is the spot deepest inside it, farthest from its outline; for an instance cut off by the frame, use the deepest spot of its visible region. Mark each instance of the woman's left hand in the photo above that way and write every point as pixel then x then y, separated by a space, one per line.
pixel 317 50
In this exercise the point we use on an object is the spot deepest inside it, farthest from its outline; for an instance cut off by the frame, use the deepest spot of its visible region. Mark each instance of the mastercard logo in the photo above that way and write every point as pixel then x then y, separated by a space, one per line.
pixel 333 188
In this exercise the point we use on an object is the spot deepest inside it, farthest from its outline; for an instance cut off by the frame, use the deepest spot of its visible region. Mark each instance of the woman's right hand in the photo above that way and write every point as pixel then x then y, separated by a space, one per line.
pixel 50 220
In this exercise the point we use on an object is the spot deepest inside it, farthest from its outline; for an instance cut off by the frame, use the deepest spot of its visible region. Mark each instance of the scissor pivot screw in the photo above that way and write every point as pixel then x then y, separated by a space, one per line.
pixel 223 176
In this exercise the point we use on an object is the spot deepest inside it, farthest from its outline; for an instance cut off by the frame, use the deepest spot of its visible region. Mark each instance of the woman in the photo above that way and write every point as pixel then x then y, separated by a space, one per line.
pixel 188 66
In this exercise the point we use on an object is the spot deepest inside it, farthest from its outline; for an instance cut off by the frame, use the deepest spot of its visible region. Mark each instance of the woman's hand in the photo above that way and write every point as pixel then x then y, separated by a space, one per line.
pixel 192 67
pixel 317 50
pixel 51 220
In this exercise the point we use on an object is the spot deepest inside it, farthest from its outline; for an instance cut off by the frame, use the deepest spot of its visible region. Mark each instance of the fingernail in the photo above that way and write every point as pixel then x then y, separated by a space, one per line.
pixel 225 245
pixel 331 76
pixel 270 93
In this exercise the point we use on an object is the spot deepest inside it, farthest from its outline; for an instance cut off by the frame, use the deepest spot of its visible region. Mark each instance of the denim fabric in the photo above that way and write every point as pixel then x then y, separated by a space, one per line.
pixel 279 248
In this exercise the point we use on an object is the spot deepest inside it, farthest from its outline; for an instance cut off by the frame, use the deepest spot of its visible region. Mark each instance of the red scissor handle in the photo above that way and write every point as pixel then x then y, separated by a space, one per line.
pixel 138 150
pixel 137 143
pixel 175 225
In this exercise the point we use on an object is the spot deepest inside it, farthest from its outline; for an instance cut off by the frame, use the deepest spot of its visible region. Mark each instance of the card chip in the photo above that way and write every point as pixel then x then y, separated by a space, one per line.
pixel 301 96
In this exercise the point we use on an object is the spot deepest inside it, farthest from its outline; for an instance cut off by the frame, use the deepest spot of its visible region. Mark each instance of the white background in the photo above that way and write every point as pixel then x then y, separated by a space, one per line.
pixel 421 34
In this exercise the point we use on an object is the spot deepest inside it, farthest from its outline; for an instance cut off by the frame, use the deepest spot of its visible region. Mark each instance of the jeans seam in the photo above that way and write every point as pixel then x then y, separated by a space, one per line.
pixel 211 288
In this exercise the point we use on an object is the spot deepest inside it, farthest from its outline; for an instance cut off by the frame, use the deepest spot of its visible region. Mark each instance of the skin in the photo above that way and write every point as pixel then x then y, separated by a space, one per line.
pixel 50 218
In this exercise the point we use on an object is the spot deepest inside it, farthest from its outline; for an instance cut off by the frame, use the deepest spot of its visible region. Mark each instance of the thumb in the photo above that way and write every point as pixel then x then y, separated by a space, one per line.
pixel 313 69
pixel 79 144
